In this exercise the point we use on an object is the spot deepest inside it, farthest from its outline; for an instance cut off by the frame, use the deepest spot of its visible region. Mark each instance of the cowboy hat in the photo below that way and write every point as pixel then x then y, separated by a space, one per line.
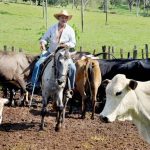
pixel 63 13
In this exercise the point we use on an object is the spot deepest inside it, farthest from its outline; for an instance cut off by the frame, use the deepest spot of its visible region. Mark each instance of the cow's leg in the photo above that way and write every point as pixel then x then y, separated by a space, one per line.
pixel 21 98
pixel 26 99
pixel 12 94
pixel 6 95
pixel 71 107
pixel 84 99
pixel 9 96
pixel 5 90
pixel 43 112
pixel 94 99
pixel 22 84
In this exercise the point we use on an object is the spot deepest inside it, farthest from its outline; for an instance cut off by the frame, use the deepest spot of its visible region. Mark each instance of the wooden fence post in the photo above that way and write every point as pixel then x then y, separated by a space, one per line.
pixel 5 47
pixel 142 53
pixel 104 51
pixel 146 50
pixel 80 48
pixel 20 49
pixel 121 53
pixel 109 52
pixel 113 51
pixel 134 52
pixel 94 51
pixel 12 48
pixel 128 55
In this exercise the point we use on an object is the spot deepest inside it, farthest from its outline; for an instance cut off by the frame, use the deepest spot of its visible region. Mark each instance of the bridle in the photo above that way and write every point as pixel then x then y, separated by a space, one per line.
pixel 55 65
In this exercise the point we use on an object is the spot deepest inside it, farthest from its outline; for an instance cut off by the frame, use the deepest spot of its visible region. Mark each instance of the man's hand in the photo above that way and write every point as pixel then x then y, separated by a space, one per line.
pixel 63 45
pixel 42 46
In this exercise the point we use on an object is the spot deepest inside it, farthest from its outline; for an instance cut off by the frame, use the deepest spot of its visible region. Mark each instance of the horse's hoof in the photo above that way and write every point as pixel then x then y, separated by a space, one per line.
pixel 41 128
pixel 57 129
pixel 82 117
pixel 92 117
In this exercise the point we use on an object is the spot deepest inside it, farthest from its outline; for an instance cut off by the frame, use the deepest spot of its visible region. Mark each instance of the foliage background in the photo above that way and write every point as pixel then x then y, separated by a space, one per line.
pixel 22 25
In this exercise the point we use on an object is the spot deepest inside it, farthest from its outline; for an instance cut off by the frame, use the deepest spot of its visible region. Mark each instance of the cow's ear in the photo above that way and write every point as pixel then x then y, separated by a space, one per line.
pixel 105 82
pixel 133 84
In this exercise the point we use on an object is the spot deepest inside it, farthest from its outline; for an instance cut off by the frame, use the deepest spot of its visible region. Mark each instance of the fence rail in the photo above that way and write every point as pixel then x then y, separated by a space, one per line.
pixel 12 49
pixel 107 52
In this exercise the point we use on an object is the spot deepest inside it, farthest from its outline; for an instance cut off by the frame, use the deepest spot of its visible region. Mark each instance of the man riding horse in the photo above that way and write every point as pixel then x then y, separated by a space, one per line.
pixel 60 35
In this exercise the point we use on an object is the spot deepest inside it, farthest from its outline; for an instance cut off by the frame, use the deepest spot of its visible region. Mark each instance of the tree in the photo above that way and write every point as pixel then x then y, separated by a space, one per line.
pixel 137 7
pixel 77 3
pixel 64 3
pixel 130 3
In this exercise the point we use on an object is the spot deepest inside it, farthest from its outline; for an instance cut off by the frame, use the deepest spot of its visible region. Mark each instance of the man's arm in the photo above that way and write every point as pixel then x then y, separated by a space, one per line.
pixel 44 39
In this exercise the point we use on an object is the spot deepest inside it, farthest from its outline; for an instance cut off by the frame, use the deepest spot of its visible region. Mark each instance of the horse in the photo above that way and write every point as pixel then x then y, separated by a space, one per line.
pixel 54 81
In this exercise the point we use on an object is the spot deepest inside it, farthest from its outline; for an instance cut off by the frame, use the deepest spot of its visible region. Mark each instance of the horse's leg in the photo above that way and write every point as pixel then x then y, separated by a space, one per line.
pixel 60 108
pixel 21 98
pixel 43 112
pixel 64 110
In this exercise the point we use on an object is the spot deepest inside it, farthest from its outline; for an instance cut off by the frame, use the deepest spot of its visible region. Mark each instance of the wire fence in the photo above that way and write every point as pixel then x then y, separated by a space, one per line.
pixel 106 52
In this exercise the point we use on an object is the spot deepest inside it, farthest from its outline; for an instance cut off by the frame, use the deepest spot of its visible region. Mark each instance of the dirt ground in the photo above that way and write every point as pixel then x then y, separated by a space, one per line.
pixel 19 131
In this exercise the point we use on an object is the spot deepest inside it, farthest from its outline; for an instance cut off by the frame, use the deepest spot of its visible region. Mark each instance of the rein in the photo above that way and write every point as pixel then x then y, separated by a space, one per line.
pixel 56 71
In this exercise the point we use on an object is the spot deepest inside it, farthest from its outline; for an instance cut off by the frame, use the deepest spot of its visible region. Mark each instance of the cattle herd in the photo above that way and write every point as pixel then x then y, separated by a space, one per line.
pixel 121 86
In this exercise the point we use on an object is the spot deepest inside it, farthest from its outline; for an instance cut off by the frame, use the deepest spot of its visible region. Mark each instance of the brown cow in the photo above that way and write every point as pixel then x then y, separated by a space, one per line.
pixel 88 76
pixel 15 69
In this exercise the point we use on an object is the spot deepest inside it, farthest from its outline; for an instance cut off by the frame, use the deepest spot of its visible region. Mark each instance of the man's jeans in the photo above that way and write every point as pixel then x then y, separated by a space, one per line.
pixel 37 71
pixel 72 73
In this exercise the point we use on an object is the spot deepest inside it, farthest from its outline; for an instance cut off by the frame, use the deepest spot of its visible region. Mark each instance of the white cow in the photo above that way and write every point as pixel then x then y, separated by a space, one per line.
pixel 127 99
pixel 2 102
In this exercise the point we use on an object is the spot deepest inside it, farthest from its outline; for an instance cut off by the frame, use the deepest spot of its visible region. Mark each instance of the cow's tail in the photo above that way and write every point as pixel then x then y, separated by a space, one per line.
pixel 88 72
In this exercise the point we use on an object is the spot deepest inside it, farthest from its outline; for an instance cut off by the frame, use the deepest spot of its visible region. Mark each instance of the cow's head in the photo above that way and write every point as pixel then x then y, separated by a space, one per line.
pixel 120 98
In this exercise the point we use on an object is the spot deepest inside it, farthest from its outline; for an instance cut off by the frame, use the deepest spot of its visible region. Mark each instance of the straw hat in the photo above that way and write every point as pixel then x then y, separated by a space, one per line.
pixel 63 13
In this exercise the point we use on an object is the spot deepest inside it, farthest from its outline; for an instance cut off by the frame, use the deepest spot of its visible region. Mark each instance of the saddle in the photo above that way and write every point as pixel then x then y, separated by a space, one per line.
pixel 44 64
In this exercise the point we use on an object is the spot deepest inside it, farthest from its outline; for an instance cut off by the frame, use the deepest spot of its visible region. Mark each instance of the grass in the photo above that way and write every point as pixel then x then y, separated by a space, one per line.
pixel 22 26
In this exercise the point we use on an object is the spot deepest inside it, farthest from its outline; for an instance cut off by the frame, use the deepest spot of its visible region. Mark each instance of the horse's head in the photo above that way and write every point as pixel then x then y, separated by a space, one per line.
pixel 61 66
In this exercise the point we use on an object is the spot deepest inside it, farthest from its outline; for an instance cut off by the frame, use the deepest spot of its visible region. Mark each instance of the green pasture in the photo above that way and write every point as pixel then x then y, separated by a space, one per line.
pixel 22 26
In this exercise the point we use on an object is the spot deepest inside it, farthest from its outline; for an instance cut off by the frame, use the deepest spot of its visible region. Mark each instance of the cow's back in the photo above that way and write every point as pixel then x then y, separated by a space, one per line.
pixel 14 65
pixel 80 75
